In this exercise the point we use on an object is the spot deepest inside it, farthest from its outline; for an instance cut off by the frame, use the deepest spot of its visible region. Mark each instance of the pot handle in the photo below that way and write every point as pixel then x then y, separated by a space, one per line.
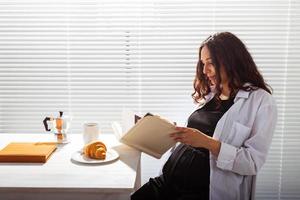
pixel 46 124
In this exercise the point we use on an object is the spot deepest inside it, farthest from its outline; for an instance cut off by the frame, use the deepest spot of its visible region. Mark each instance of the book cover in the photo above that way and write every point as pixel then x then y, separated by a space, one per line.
pixel 150 135
pixel 27 152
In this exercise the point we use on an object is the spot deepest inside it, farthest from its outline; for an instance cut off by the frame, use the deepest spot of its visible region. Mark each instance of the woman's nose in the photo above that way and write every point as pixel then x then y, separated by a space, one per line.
pixel 204 69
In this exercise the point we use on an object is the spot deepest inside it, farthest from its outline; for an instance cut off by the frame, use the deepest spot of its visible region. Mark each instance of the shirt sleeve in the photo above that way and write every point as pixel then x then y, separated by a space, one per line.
pixel 249 158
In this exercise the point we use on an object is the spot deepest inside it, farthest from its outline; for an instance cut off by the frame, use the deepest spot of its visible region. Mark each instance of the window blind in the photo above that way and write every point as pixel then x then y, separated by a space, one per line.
pixel 91 59
pixel 74 57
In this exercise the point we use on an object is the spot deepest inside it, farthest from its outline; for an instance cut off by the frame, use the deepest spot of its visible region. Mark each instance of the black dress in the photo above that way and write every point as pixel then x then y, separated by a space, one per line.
pixel 186 172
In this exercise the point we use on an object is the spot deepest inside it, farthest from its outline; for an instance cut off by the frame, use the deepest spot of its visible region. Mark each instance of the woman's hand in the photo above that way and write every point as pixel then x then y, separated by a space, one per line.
pixel 196 138
pixel 190 136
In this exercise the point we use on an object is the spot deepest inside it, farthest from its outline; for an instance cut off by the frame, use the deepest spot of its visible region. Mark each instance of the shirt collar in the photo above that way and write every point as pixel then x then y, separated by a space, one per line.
pixel 242 93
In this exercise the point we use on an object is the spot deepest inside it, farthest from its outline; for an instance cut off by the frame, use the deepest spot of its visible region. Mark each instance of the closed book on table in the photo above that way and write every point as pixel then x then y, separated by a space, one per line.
pixel 38 152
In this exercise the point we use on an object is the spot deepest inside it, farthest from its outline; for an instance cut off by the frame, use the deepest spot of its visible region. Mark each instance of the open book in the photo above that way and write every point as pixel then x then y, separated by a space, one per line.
pixel 150 134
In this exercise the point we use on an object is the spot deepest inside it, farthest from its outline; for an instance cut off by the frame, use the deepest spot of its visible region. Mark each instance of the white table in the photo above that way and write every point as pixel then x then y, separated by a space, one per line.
pixel 61 178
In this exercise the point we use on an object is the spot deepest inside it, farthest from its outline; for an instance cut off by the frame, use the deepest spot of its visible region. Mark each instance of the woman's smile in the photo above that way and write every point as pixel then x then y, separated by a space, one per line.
pixel 212 79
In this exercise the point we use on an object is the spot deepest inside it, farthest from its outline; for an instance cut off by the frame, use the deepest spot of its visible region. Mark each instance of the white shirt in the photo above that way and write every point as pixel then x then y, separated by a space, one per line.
pixel 245 132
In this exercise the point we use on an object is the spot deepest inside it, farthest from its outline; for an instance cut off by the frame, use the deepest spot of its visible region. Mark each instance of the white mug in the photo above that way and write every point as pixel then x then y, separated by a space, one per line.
pixel 91 132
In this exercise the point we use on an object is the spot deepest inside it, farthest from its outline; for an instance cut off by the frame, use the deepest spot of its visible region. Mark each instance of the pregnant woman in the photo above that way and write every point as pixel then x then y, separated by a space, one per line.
pixel 227 137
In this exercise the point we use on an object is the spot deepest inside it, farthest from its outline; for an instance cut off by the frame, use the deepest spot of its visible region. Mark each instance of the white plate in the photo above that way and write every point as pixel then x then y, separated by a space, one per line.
pixel 111 155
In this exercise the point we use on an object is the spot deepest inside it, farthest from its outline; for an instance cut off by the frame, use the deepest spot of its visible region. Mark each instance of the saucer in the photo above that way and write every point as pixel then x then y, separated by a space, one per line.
pixel 111 155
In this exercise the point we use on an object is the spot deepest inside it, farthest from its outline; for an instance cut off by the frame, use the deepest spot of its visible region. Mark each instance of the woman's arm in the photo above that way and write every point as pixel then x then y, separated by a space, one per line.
pixel 196 138
pixel 244 160
pixel 250 157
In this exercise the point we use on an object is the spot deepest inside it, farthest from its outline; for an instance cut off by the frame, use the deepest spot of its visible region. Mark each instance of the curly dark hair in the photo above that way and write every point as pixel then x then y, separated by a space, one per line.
pixel 229 51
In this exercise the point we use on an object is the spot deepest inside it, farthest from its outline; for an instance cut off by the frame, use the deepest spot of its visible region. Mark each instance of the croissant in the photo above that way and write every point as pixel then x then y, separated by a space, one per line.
pixel 95 150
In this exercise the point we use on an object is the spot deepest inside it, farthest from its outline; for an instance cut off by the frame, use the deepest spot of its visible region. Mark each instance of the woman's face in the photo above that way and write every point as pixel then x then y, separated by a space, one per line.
pixel 209 69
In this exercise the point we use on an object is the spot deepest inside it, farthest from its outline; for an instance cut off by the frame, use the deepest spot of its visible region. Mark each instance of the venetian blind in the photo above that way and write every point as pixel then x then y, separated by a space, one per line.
pixel 73 56
pixel 91 59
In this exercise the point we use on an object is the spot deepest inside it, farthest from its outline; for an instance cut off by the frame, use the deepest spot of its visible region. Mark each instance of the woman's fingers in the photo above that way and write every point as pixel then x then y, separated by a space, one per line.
pixel 175 134
pixel 180 134
pixel 189 136
pixel 181 129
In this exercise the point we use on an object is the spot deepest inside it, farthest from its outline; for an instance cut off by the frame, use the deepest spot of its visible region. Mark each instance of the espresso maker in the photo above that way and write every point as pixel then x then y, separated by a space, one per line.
pixel 59 126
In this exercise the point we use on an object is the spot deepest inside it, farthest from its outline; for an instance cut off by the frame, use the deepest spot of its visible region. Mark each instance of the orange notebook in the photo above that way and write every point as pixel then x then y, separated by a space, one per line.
pixel 27 152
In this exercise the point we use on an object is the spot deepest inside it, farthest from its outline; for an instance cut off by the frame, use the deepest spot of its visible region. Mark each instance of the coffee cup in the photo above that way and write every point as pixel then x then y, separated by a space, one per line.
pixel 90 132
